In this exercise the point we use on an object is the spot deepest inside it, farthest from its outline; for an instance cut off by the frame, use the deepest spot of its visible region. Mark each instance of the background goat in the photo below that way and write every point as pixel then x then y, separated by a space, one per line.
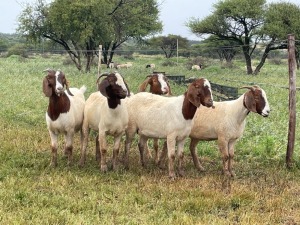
pixel 159 85
pixel 65 111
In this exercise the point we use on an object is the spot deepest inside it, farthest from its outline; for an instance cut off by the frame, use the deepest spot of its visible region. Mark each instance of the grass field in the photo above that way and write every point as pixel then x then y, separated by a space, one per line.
pixel 263 192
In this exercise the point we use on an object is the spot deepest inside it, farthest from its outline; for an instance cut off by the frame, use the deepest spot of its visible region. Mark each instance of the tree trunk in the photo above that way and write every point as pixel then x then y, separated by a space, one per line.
pixel 263 58
pixel 247 58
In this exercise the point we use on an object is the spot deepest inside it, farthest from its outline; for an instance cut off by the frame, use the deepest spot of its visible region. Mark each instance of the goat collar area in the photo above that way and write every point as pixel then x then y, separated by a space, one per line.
pixel 57 105
pixel 113 102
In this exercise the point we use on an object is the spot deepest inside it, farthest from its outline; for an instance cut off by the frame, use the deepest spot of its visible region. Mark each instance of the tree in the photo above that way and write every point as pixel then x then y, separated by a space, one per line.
pixel 80 26
pixel 226 49
pixel 236 20
pixel 281 19
pixel 249 23
pixel 169 44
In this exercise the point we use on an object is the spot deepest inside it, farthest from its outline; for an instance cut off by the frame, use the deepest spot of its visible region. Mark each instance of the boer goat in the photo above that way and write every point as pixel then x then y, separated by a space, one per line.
pixel 106 112
pixel 65 111
pixel 159 85
pixel 165 117
pixel 226 123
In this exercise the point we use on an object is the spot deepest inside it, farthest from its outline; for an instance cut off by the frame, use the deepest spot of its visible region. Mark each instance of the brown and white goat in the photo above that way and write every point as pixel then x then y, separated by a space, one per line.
pixel 65 111
pixel 226 123
pixel 166 117
pixel 159 85
pixel 106 112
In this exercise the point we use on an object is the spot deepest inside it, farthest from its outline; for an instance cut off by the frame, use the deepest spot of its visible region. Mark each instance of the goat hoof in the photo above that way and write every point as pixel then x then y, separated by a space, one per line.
pixel 232 173
pixel 103 168
pixel 227 173
pixel 181 173
pixel 201 169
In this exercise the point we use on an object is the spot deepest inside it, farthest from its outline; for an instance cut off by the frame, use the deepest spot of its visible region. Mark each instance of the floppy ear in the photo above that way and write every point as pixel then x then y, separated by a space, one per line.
pixel 144 85
pixel 192 95
pixel 170 92
pixel 46 88
pixel 102 87
pixel 128 91
pixel 249 101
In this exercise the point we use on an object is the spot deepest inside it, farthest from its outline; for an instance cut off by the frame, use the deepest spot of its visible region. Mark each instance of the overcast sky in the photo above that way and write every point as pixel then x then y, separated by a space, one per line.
pixel 173 14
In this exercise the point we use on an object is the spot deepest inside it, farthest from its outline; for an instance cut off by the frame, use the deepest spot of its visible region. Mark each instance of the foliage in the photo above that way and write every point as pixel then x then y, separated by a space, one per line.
pixel 168 44
pixel 17 49
pixel 81 26
pixel 249 23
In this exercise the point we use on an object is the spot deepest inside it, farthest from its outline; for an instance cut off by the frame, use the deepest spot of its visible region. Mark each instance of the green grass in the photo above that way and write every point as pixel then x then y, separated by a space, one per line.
pixel 263 192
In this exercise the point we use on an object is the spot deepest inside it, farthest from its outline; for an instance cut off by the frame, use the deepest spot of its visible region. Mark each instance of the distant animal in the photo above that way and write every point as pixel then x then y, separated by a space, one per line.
pixel 196 67
pixel 65 111
pixel 152 66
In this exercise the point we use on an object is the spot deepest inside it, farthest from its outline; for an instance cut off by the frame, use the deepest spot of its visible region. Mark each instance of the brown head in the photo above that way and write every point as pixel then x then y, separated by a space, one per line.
pixel 113 87
pixel 255 100
pixel 54 83
pixel 199 93
pixel 158 83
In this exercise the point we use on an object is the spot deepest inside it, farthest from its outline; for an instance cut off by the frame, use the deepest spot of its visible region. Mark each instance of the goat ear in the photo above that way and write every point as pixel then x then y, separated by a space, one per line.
pixel 170 93
pixel 144 85
pixel 102 87
pixel 128 91
pixel 46 88
pixel 192 95
pixel 67 87
pixel 249 101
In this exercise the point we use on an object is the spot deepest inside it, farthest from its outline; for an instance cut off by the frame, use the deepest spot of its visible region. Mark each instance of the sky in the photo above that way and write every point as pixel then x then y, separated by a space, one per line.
pixel 173 14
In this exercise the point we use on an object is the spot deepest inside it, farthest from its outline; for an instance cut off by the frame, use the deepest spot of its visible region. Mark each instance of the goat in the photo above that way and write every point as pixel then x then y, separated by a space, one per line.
pixel 65 111
pixel 105 111
pixel 158 85
pixel 226 124
pixel 124 65
pixel 165 117
pixel 152 66
pixel 196 67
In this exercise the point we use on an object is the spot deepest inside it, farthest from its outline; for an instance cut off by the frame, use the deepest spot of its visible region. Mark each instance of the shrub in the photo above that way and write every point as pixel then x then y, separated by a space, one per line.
pixel 18 49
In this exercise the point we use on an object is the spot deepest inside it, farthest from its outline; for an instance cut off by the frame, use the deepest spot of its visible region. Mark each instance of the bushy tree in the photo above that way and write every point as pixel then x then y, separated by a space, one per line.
pixel 81 26
pixel 168 44
pixel 248 23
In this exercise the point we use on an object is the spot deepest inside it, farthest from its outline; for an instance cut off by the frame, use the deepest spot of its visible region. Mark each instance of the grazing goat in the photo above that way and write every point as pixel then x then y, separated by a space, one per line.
pixel 152 66
pixel 165 117
pixel 196 67
pixel 159 85
pixel 124 65
pixel 106 112
pixel 226 124
pixel 65 111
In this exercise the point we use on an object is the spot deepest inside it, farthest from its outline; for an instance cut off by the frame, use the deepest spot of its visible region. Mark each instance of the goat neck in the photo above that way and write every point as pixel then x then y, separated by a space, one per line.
pixel 188 109
pixel 57 105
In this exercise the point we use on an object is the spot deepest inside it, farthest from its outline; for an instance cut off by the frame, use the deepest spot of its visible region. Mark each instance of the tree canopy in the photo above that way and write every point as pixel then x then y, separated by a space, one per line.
pixel 249 23
pixel 168 44
pixel 80 26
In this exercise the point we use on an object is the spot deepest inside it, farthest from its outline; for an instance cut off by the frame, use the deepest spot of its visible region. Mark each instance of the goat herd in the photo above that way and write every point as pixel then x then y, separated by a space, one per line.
pixel 114 110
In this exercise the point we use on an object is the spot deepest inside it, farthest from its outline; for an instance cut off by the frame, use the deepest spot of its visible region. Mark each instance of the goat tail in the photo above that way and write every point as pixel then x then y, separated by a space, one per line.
pixel 83 89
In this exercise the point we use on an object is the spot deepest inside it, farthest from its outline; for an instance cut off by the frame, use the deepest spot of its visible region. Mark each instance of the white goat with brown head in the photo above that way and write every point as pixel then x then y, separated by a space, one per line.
pixel 226 123
pixel 157 116
pixel 65 111
pixel 106 112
